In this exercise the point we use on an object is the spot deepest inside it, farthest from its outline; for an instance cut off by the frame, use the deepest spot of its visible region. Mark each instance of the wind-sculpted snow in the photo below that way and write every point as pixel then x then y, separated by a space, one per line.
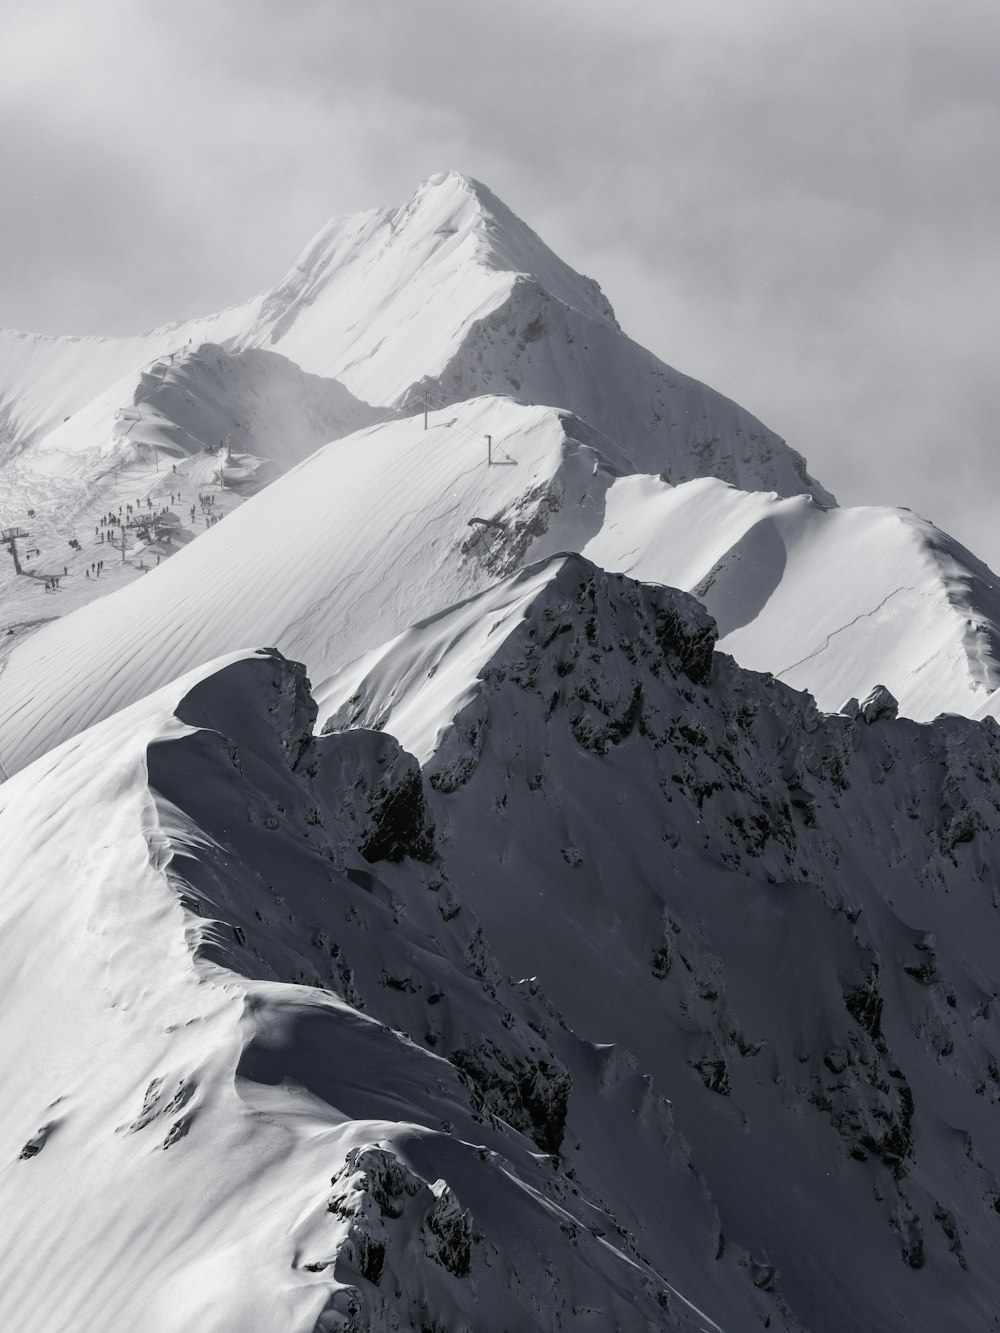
pixel 450 292
pixel 333 558
pixel 223 930
pixel 748 1076
pixel 460 297
pixel 257 402
pixel 831 600
pixel 791 920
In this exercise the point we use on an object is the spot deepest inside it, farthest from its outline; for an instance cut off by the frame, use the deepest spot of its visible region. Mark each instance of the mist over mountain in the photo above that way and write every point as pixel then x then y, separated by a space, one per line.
pixel 487 841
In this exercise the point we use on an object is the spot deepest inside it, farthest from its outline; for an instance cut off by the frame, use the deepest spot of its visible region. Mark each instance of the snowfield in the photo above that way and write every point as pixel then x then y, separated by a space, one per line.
pixel 430 898
pixel 396 522
pixel 289 1059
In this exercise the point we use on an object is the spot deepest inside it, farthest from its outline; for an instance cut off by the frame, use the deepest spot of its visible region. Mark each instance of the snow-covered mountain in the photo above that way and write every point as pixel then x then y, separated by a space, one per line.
pixel 451 293
pixel 538 967
pixel 454 293
pixel 290 1075
pixel 396 522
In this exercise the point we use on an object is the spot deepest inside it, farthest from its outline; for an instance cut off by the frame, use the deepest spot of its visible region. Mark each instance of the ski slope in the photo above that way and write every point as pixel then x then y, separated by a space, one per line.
pixel 450 292
pixel 834 601
pixel 220 1131
pixel 336 556
pixel 395 523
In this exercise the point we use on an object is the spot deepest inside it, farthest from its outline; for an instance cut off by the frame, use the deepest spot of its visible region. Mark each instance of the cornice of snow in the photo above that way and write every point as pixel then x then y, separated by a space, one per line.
pixel 451 293
pixel 666 848
pixel 393 523
pixel 241 969
pixel 329 560
pixel 832 600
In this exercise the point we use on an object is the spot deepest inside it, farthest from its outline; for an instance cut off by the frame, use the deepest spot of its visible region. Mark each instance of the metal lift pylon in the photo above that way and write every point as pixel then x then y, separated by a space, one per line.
pixel 9 537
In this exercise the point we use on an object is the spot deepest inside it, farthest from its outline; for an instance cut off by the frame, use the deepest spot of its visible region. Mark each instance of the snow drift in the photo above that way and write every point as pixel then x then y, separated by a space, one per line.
pixel 224 977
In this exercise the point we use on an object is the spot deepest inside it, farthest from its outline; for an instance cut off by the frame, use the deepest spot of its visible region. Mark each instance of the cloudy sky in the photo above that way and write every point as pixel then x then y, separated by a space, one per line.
pixel 795 200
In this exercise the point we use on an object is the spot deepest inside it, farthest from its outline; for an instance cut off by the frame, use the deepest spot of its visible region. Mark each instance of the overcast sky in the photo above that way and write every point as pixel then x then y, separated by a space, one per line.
pixel 797 201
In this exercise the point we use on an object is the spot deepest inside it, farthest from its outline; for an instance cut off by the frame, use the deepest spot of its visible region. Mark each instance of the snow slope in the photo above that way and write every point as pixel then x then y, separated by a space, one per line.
pixel 262 403
pixel 454 293
pixel 445 298
pixel 450 292
pixel 127 444
pixel 394 523
pixel 747 1078
pixel 833 601
pixel 213 1116
pixel 334 557
pixel 789 919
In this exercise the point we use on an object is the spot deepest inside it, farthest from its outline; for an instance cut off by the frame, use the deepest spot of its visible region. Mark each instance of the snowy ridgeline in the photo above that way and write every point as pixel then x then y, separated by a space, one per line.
pixel 450 293
pixel 454 302
pixel 549 970
pixel 396 522
pixel 446 298
pixel 650 998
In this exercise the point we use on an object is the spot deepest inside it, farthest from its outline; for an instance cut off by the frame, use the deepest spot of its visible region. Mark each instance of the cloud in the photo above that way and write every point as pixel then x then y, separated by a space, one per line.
pixel 793 200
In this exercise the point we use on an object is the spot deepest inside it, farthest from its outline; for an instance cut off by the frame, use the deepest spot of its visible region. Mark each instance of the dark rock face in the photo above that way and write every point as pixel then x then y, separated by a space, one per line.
pixel 764 832
pixel 785 917
pixel 401 824
pixel 878 704
pixel 531 1095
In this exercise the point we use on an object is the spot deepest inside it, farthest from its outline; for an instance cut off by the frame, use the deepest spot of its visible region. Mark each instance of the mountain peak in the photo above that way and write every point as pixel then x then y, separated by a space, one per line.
pixel 453 243
pixel 458 183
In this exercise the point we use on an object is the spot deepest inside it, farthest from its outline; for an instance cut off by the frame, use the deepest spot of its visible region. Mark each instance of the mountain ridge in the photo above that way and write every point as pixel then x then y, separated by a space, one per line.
pixel 445 264
pixel 542 964
pixel 333 889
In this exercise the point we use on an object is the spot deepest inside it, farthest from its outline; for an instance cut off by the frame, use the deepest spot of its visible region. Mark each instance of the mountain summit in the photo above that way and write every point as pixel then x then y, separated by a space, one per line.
pixel 540 966
pixel 460 297
pixel 450 293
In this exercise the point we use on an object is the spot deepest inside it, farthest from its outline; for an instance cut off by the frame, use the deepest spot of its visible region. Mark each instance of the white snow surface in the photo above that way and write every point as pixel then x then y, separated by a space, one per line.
pixel 450 292
pixel 831 600
pixel 550 970
pixel 747 1076
pixel 204 1120
pixel 395 523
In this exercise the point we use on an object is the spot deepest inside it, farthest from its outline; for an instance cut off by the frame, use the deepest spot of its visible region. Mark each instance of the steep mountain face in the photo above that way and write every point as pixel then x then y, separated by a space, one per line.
pixel 542 968
pixel 288 1069
pixel 790 919
pixel 461 298
pixel 450 292
pixel 229 1098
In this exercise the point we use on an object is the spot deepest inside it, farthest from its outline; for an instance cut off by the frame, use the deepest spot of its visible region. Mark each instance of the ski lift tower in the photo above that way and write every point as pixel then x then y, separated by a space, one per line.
pixel 9 537
pixel 227 447
pixel 121 545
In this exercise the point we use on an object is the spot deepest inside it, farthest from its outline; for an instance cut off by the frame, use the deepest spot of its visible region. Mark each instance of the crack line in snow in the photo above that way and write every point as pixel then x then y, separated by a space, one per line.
pixel 863 616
